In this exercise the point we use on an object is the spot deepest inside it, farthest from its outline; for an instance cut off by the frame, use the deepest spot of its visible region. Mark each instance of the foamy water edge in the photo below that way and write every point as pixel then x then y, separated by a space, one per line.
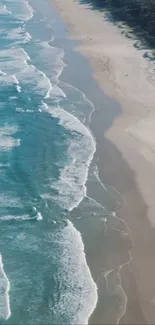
pixel 5 311
pixel 69 121
pixel 16 54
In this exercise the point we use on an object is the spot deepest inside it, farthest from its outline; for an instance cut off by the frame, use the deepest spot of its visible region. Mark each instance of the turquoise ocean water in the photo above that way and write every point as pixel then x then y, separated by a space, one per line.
pixel 46 149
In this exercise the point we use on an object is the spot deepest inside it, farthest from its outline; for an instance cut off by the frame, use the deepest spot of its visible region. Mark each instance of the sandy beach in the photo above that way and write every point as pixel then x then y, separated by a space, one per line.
pixel 125 75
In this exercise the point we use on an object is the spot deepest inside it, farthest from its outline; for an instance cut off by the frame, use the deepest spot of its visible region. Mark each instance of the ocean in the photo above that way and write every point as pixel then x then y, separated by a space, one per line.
pixel 46 165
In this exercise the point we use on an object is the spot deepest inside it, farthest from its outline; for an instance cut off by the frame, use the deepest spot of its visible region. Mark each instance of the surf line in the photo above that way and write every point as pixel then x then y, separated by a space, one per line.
pixel 5 311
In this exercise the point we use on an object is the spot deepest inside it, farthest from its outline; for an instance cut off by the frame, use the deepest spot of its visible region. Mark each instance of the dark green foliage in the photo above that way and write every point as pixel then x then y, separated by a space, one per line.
pixel 139 14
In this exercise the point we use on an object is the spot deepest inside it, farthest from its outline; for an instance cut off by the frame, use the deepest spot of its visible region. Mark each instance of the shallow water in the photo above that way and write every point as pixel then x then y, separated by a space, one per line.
pixel 46 158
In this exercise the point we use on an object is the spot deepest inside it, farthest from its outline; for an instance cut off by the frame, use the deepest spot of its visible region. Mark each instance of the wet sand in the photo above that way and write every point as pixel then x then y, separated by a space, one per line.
pixel 125 149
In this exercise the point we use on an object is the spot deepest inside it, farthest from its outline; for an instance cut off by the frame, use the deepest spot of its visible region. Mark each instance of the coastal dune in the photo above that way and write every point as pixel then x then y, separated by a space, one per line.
pixel 125 74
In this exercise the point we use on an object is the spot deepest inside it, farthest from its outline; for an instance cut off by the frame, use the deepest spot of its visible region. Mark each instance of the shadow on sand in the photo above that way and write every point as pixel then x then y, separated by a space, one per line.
pixel 135 18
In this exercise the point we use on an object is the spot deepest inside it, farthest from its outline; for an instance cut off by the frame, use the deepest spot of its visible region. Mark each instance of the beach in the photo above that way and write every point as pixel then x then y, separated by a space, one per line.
pixel 77 167
pixel 125 151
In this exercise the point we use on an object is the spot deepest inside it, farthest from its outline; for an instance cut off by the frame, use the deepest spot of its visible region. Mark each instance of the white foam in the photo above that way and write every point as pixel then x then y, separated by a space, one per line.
pixel 52 59
pixel 57 91
pixel 17 218
pixel 29 111
pixel 7 129
pixel 5 311
pixel 7 142
pixel 78 290
pixel 4 165
pixel 8 80
pixel 18 35
pixel 44 106
pixel 13 97
pixel 19 89
pixel 19 110
pixel 16 53
pixel 8 200
pixel 4 10
pixel 13 60
pixel 37 79
pixel 78 98
pixel 16 81
pixel 2 73
pixel 39 216
pixel 20 9
pixel 17 142
pixel 71 184
pixel 25 217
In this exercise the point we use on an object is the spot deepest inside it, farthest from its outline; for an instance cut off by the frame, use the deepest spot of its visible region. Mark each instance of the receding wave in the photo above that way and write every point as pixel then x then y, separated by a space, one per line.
pixel 71 183
pixel 19 9
pixel 77 285
pixel 35 85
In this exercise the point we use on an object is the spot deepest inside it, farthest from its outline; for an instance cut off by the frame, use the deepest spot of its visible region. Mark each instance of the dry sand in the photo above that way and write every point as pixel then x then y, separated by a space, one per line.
pixel 124 74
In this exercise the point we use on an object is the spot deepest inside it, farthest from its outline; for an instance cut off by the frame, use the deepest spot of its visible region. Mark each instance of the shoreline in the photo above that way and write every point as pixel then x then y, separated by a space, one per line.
pixel 131 140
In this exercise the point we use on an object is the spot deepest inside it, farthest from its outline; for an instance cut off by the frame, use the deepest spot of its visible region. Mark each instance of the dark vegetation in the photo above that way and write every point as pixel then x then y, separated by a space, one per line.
pixel 138 14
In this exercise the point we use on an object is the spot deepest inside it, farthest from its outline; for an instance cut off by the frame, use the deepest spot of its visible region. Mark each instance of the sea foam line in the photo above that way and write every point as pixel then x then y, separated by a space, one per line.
pixel 90 306
pixel 25 217
pixel 5 311
pixel 4 10
pixel 69 121
pixel 72 123
pixel 81 152
pixel 47 48
pixel 84 97
pixel 23 13
pixel 66 119
pixel 76 275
